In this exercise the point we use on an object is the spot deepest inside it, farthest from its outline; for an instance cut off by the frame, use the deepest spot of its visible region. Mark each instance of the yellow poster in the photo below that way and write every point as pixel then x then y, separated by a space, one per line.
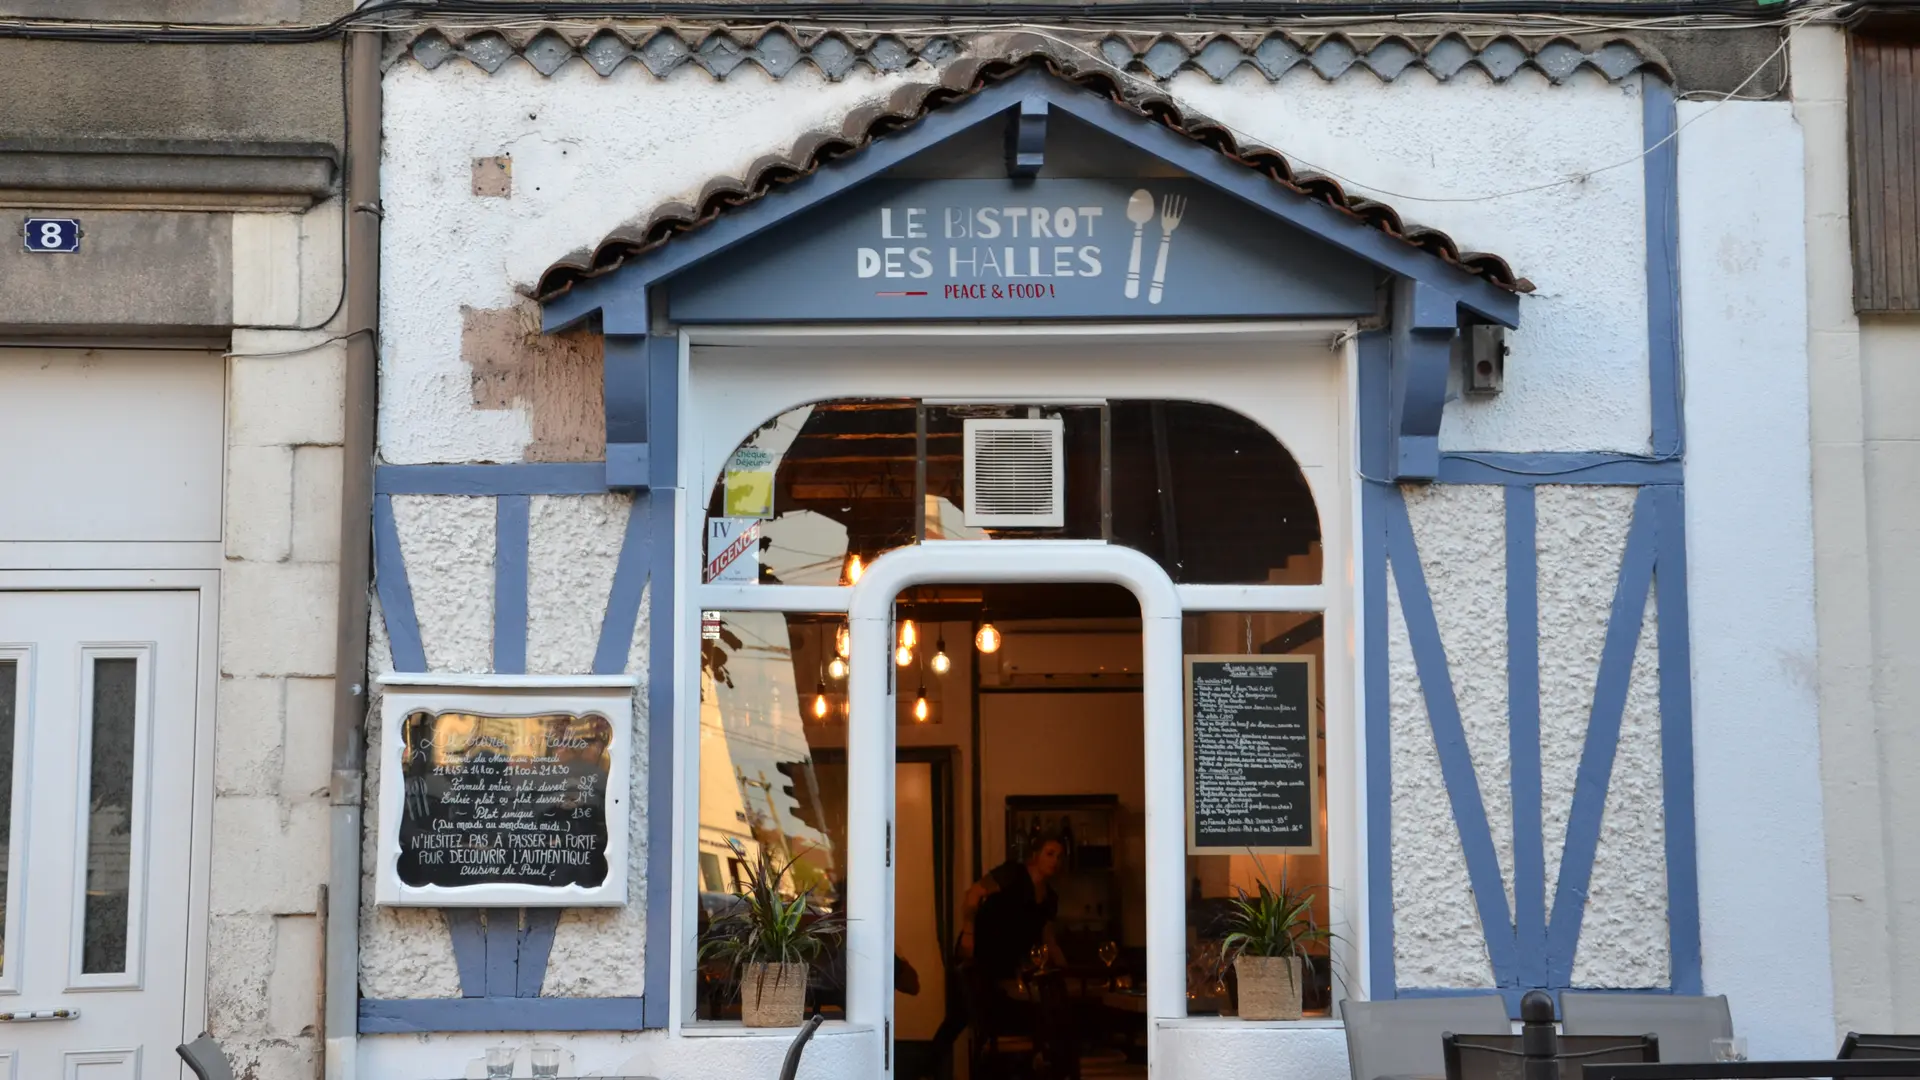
pixel 749 494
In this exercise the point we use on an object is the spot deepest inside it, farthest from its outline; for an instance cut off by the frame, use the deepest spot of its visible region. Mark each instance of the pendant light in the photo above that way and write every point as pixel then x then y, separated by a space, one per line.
pixel 903 653
pixel 920 707
pixel 988 639
pixel 837 669
pixel 820 701
pixel 940 663
pixel 855 568
pixel 843 641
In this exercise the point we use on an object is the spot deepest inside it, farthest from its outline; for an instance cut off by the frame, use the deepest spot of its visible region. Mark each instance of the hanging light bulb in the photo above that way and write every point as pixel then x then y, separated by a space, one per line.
pixel 843 641
pixel 909 634
pixel 837 668
pixel 855 568
pixel 820 701
pixel 940 664
pixel 920 707
pixel 903 655
pixel 988 639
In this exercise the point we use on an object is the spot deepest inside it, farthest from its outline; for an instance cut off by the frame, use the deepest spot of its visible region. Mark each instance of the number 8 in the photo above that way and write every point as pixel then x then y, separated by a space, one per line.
pixel 50 234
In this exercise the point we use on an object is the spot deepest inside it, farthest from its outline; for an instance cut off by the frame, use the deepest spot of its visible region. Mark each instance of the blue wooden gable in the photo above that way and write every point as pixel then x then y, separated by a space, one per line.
pixel 811 248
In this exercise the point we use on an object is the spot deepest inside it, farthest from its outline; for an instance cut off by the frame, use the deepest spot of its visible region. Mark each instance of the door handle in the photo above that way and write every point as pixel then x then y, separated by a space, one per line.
pixel 38 1014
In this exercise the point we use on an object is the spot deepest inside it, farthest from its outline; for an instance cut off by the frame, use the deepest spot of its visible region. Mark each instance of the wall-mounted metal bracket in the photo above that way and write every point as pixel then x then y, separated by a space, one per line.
pixel 1484 359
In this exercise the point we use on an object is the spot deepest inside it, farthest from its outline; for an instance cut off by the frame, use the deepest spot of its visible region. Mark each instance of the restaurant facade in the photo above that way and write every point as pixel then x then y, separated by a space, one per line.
pixel 876 432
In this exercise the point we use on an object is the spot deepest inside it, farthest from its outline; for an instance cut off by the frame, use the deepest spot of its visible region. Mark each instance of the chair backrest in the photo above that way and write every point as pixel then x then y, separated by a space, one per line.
pixel 1499 1057
pixel 1879 1046
pixel 205 1058
pixel 1402 1036
pixel 1686 1025
pixel 791 1067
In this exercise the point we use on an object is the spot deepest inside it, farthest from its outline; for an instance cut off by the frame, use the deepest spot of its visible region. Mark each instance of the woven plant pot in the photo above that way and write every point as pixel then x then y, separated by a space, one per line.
pixel 775 995
pixel 1270 987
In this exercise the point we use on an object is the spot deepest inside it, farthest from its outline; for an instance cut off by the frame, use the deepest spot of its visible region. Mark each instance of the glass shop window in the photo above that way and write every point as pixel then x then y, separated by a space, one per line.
pixel 1217 881
pixel 819 492
pixel 769 786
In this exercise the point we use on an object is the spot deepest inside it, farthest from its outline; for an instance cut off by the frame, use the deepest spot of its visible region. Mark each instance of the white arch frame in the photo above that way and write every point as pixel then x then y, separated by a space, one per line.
pixel 1331 478
pixel 871 745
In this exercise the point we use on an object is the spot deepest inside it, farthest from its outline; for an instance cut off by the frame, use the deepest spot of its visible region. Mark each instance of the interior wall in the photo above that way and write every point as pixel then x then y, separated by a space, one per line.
pixel 1064 743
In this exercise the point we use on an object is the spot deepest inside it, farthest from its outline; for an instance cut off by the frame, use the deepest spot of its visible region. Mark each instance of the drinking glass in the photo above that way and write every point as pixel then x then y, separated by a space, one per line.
pixel 546 1060
pixel 1730 1048
pixel 499 1063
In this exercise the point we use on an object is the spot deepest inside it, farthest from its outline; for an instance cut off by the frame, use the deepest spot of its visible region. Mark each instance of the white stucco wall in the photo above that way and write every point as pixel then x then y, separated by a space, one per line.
pixel 1576 380
pixel 1581 535
pixel 574 543
pixel 583 163
pixel 837 1051
pixel 1750 565
pixel 1577 375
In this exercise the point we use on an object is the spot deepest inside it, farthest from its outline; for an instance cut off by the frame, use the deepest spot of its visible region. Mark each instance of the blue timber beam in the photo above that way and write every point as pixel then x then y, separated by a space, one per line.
pixel 1425 323
pixel 642 374
pixel 1027 139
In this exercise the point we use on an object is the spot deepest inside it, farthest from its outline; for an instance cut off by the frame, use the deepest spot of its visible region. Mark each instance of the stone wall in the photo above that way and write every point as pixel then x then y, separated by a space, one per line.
pixel 273 749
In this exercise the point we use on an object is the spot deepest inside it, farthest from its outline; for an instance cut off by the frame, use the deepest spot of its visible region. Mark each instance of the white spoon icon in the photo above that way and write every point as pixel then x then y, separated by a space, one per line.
pixel 1139 211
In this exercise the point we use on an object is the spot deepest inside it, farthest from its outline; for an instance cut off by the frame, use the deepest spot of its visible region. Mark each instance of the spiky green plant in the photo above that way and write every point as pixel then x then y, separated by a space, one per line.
pixel 1270 922
pixel 765 927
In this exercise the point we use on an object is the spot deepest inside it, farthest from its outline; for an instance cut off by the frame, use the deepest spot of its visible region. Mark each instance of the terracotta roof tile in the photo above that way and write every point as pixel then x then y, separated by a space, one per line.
pixel 962 79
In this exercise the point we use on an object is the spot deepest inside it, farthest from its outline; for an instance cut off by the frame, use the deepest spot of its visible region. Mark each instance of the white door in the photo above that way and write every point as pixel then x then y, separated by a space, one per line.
pixel 96 780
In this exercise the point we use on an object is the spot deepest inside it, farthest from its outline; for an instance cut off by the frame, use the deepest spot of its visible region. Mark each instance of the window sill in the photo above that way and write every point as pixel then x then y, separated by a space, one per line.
pixel 734 1029
pixel 1234 1023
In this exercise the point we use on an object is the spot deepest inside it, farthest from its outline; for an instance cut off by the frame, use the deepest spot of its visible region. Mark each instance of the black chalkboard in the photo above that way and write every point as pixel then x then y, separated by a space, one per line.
pixel 504 799
pixel 1252 755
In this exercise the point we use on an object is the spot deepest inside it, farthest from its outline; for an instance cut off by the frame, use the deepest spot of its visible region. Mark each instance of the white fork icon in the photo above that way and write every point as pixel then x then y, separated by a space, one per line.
pixel 1171 207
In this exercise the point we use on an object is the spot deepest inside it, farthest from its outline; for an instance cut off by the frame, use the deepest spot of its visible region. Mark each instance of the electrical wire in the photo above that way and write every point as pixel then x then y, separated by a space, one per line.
pixel 952 13
pixel 1815 12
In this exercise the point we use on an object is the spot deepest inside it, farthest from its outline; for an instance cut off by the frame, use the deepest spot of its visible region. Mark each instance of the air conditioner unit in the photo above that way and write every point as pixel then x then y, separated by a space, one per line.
pixel 1016 473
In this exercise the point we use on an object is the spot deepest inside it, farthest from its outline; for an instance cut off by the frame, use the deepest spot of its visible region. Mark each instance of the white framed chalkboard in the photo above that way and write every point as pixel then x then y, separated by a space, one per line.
pixel 1253 755
pixel 504 790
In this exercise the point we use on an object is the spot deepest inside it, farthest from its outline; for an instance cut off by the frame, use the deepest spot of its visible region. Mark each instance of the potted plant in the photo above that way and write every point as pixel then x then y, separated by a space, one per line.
pixel 1265 937
pixel 770 941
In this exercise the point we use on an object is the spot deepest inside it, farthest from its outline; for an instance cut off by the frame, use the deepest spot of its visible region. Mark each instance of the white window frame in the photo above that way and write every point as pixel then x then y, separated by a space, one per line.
pixel 869 605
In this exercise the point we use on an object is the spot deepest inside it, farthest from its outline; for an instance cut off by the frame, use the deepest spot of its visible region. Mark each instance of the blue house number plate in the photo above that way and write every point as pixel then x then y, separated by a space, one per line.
pixel 46 235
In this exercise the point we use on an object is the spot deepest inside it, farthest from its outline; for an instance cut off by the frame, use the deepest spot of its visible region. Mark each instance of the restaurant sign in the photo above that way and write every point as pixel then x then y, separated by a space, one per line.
pixel 1009 249
pixel 504 791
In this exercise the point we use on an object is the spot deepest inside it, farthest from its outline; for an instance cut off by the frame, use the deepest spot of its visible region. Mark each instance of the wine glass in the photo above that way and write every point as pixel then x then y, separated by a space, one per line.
pixel 1109 952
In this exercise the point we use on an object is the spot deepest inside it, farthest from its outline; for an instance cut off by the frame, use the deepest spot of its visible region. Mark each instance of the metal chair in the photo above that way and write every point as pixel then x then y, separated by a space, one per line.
pixel 1502 1057
pixel 205 1058
pixel 1401 1037
pixel 1686 1025
pixel 791 1067
pixel 1856 1047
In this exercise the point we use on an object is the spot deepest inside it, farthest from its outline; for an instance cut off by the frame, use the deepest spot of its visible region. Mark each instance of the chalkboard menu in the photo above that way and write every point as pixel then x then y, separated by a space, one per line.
pixel 497 800
pixel 1253 755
